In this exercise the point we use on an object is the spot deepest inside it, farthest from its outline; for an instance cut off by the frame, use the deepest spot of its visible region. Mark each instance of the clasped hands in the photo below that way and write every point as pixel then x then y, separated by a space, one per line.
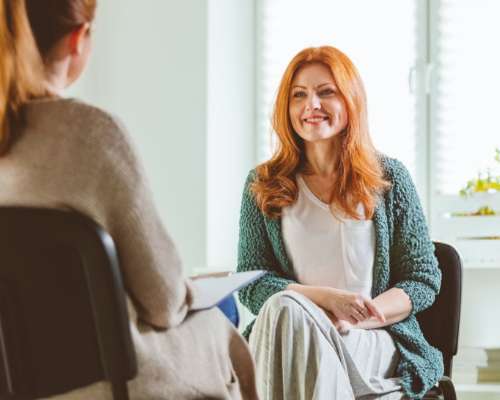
pixel 348 309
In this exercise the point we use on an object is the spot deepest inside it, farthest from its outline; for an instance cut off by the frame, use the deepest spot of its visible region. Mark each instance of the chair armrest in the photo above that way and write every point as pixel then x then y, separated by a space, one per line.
pixel 447 388
pixel 443 390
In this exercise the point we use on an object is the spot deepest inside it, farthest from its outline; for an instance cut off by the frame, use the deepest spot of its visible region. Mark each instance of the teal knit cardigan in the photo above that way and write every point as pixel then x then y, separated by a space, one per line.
pixel 404 258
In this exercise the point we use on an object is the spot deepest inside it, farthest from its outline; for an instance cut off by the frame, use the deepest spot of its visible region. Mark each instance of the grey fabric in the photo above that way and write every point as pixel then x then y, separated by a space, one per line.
pixel 300 354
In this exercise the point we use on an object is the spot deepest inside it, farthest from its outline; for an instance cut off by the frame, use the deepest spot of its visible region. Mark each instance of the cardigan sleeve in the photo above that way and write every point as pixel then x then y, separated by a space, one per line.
pixel 414 267
pixel 255 252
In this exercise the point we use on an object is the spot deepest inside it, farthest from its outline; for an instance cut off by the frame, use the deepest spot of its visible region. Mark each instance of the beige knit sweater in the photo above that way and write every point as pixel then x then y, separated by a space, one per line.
pixel 74 156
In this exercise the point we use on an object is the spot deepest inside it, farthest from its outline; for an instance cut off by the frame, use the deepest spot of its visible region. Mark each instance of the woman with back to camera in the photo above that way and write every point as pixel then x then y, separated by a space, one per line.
pixel 341 231
pixel 62 153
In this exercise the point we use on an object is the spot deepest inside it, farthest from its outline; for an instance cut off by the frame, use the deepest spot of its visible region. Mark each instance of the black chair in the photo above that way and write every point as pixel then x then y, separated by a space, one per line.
pixel 63 317
pixel 440 323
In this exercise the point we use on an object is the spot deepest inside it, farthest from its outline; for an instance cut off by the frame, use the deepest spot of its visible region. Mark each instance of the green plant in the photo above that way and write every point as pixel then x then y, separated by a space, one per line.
pixel 481 184
pixel 481 211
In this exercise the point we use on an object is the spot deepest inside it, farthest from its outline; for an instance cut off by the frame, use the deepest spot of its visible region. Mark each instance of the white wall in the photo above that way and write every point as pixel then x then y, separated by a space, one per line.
pixel 230 123
pixel 480 325
pixel 149 67
pixel 184 88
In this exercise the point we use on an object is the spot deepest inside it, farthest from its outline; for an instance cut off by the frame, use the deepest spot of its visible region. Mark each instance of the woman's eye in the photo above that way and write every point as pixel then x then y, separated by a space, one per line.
pixel 299 94
pixel 326 92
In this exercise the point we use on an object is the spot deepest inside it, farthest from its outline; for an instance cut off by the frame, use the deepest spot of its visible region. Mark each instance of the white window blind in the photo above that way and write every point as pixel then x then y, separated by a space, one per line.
pixel 467 124
pixel 379 36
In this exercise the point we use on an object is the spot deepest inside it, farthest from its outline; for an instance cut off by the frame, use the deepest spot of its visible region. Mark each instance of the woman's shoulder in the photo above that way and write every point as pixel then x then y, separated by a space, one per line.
pixel 251 176
pixel 403 191
pixel 84 122
pixel 248 195
pixel 394 170
pixel 73 113
pixel 67 107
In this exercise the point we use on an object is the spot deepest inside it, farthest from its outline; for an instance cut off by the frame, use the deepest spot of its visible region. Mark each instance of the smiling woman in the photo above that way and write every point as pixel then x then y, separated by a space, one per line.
pixel 356 170
pixel 340 230
pixel 317 110
pixel 318 113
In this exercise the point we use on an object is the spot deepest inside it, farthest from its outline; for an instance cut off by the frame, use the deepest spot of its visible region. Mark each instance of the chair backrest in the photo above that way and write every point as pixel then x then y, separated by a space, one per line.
pixel 440 323
pixel 63 317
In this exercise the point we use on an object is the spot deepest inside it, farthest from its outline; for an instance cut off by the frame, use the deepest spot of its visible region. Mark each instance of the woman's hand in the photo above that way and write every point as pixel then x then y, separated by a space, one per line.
pixel 344 305
pixel 349 306
pixel 387 308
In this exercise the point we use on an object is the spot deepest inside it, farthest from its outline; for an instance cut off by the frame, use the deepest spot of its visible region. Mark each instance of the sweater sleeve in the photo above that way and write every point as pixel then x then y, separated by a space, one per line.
pixel 414 267
pixel 255 252
pixel 151 268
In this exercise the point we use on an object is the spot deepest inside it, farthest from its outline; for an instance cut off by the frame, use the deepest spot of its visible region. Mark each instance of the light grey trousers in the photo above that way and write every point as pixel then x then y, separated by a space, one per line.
pixel 299 354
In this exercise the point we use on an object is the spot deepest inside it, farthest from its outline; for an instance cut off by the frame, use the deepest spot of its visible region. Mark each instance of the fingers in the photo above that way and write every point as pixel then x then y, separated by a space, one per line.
pixel 374 310
pixel 358 315
pixel 363 311
pixel 351 314
pixel 352 307
pixel 358 309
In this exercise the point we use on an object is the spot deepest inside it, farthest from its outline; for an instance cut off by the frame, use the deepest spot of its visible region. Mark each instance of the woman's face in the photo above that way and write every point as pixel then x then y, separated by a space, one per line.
pixel 317 109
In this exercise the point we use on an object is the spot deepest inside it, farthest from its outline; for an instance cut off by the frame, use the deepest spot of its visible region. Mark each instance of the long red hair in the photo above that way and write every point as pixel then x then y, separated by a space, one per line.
pixel 360 177
pixel 21 71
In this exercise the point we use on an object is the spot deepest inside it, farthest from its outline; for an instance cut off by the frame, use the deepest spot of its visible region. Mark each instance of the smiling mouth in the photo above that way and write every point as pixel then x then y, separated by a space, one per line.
pixel 315 120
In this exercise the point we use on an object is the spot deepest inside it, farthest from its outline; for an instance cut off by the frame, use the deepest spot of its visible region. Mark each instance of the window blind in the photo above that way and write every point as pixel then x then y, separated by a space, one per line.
pixel 467 124
pixel 380 38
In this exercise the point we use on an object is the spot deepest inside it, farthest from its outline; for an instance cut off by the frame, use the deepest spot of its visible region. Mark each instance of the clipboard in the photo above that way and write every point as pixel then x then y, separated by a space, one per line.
pixel 210 290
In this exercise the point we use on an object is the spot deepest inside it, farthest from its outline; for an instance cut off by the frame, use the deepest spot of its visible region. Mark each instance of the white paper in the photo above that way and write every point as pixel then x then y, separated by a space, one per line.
pixel 208 292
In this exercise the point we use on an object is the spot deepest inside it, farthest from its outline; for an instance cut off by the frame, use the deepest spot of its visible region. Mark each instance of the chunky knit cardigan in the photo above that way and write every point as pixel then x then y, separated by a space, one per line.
pixel 404 258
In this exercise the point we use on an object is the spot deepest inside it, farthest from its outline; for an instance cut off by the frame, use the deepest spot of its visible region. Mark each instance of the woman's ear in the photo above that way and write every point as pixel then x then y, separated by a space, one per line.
pixel 77 38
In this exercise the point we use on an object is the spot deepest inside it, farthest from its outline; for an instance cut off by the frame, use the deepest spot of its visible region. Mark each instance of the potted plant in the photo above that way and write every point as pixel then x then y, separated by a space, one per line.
pixel 485 183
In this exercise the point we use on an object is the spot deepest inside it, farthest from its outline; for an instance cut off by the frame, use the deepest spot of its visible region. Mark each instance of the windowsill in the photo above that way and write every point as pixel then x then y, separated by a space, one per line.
pixel 478 388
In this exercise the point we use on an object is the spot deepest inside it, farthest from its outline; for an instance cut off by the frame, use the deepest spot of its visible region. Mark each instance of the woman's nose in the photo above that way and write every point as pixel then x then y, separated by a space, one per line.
pixel 313 102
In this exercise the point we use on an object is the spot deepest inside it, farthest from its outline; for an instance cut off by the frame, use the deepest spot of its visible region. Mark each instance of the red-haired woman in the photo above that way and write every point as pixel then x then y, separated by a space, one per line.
pixel 62 153
pixel 341 231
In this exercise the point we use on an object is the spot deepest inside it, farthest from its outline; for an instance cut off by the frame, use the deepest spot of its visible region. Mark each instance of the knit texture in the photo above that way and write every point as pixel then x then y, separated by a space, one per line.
pixel 404 258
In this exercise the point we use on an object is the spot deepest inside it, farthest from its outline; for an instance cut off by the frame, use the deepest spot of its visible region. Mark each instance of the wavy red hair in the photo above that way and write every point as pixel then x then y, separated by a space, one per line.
pixel 360 177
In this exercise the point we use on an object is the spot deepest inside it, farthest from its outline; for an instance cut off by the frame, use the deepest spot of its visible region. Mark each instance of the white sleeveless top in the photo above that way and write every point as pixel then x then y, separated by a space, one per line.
pixel 327 249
